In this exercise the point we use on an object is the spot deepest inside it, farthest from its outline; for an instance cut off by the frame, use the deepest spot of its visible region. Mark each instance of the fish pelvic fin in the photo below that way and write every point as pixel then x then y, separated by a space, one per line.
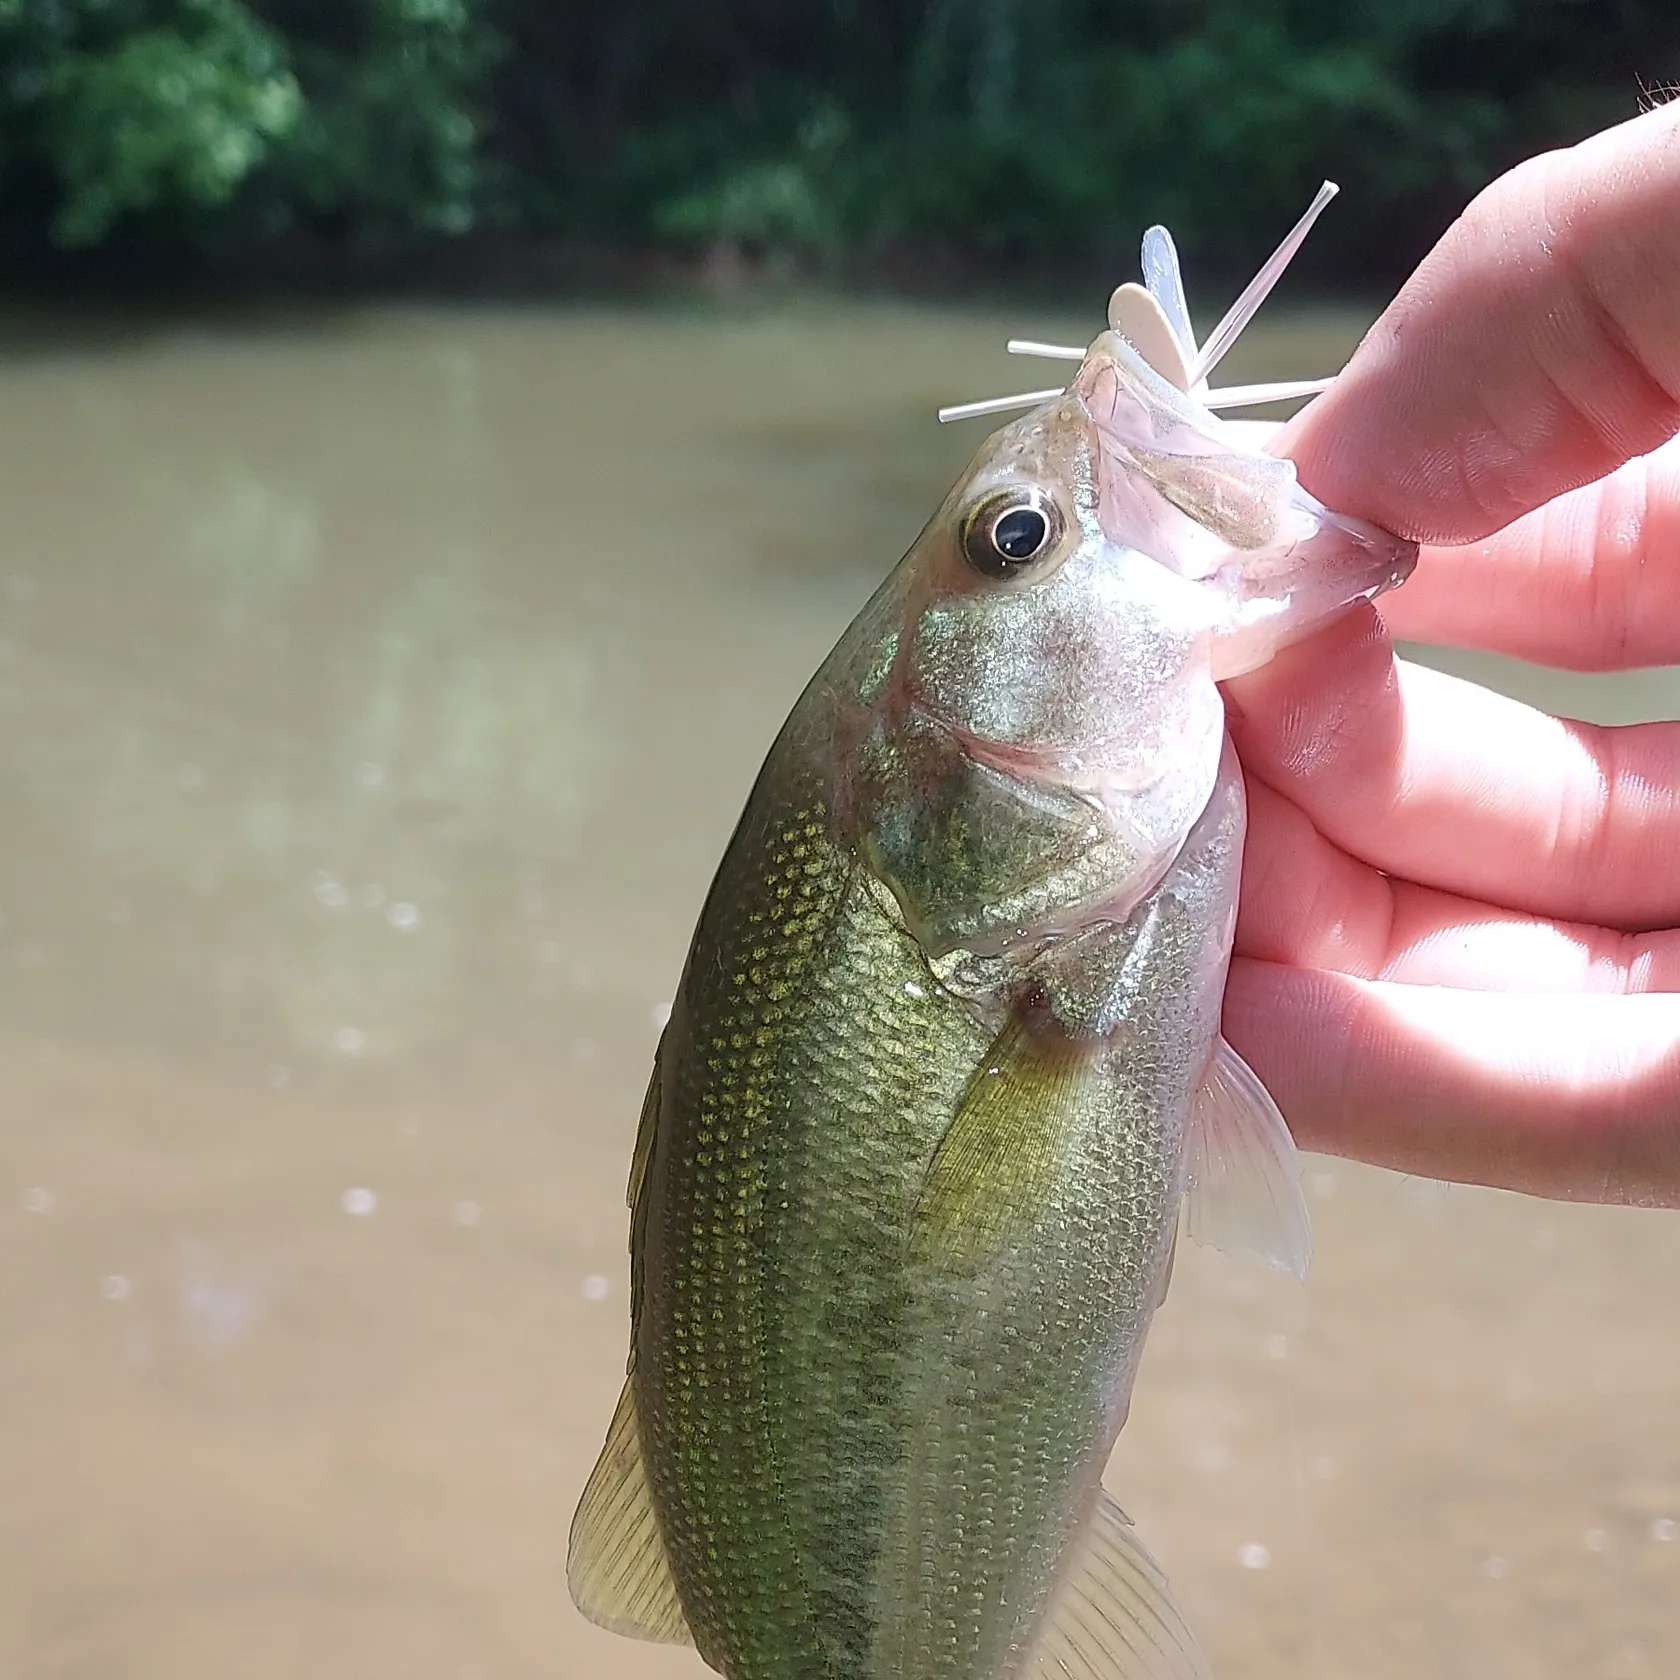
pixel 616 1565
pixel 1242 1170
pixel 1113 1617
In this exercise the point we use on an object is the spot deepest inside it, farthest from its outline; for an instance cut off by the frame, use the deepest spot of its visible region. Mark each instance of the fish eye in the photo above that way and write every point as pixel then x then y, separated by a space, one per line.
pixel 1006 532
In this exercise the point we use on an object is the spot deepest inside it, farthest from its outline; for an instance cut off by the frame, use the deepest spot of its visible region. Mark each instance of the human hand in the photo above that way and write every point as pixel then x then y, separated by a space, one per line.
pixel 1458 951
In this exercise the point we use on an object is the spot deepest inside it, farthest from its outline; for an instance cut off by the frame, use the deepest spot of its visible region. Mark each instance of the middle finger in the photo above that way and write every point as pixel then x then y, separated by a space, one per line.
pixel 1450 785
pixel 1307 904
pixel 1590 582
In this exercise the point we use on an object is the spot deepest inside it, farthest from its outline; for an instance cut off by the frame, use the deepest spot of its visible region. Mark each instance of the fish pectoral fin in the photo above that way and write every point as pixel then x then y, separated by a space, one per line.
pixel 998 1164
pixel 1242 1170
pixel 1113 1617
pixel 615 1559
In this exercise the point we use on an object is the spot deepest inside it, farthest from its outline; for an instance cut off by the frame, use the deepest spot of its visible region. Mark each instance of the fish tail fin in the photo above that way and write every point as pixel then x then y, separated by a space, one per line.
pixel 1113 1617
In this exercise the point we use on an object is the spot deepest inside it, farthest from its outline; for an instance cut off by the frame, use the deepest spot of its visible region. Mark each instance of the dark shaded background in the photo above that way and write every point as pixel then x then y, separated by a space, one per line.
pixel 930 144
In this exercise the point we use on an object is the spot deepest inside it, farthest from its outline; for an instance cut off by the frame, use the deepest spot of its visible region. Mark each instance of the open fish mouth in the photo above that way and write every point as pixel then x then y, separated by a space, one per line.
pixel 1197 493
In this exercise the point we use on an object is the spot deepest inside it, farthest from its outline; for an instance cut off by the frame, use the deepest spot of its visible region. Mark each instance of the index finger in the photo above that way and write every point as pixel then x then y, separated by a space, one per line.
pixel 1536 348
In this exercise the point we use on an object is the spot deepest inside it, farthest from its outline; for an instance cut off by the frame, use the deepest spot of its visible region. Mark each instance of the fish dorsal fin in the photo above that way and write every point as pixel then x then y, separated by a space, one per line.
pixel 1136 314
pixel 1242 1171
pixel 646 1128
pixel 1113 1617
pixel 647 1141
pixel 615 1559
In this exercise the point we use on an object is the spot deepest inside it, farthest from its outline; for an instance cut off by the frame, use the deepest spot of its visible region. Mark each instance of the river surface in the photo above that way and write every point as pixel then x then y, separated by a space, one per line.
pixel 377 690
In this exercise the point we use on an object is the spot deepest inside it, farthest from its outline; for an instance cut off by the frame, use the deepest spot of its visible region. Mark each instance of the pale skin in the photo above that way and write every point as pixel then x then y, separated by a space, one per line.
pixel 1458 952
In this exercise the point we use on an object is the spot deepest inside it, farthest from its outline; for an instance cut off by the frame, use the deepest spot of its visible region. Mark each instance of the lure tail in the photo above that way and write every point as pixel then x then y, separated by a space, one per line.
pixel 1155 318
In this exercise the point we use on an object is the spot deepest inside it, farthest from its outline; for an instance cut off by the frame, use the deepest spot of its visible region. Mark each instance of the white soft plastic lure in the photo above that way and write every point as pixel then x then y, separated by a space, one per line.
pixel 1155 318
pixel 1196 492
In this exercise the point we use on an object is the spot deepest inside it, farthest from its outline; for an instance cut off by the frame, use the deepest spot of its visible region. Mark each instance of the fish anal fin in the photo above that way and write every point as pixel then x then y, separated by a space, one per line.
pixel 615 1559
pixel 1137 315
pixel 1242 1171
pixel 1112 1617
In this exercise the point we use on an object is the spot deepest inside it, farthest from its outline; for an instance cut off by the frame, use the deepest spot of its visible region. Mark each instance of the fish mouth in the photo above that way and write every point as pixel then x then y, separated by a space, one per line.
pixel 1096 387
pixel 1402 554
pixel 1130 405
pixel 1115 372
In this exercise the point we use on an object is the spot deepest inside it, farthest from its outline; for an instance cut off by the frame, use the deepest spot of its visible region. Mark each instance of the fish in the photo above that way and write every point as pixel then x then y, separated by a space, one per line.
pixel 943 1074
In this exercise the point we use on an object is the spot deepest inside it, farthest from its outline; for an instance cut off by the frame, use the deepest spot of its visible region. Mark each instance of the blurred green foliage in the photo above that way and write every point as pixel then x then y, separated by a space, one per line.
pixel 139 106
pixel 828 132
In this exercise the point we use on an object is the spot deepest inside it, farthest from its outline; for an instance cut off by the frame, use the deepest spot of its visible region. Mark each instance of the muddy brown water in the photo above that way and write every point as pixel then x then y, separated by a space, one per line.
pixel 376 693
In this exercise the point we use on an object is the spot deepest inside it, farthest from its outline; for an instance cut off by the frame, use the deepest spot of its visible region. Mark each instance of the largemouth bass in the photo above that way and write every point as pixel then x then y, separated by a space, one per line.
pixel 944 1061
